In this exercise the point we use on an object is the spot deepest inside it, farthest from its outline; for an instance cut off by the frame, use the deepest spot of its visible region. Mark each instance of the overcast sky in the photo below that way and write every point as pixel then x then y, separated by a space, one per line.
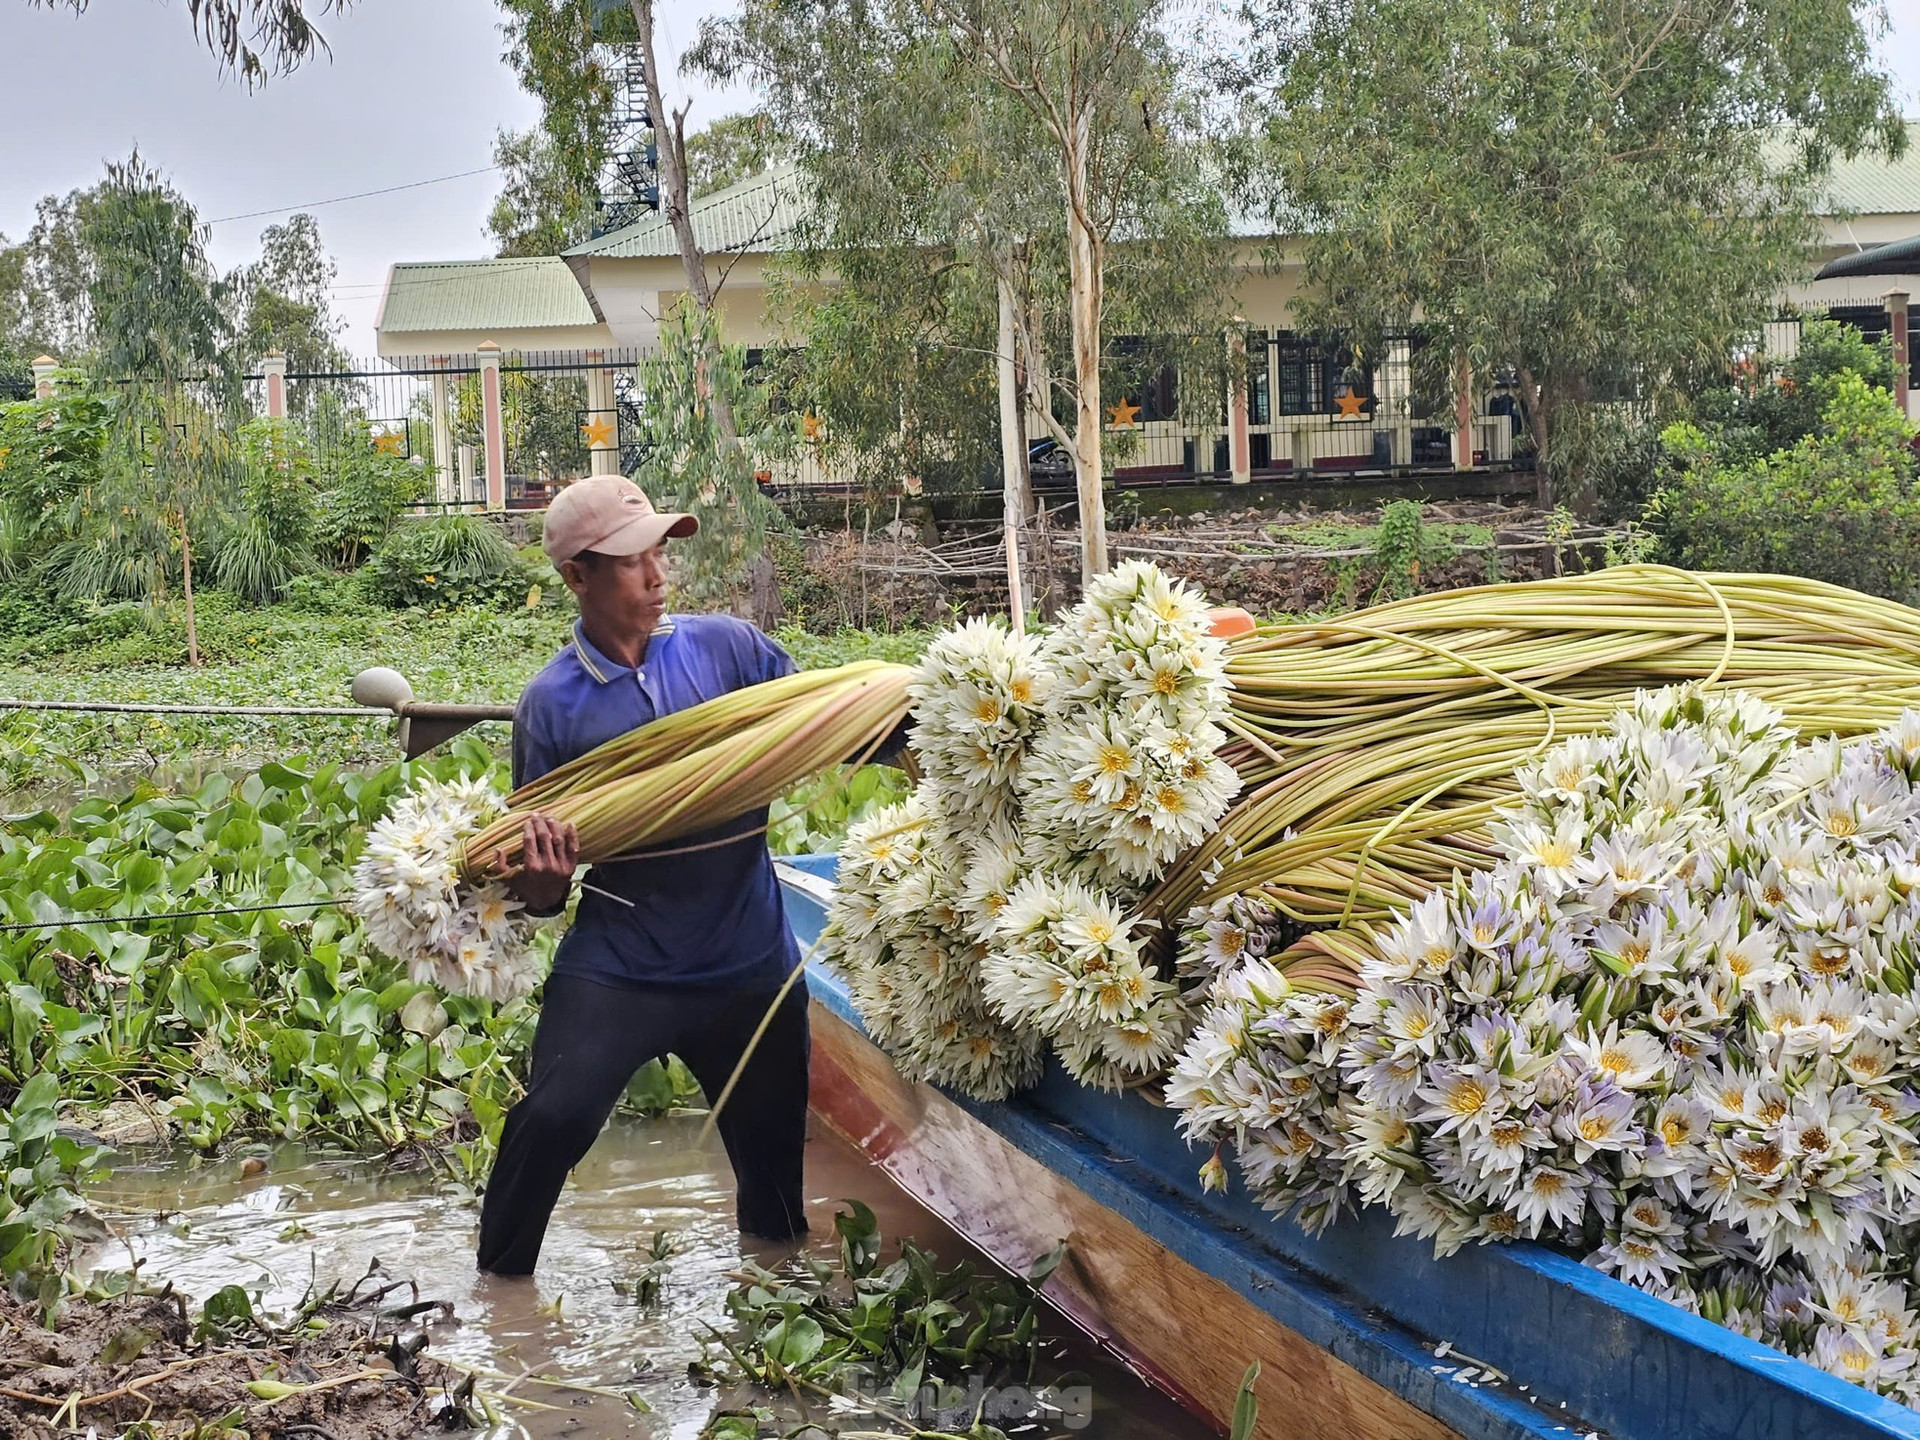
pixel 415 89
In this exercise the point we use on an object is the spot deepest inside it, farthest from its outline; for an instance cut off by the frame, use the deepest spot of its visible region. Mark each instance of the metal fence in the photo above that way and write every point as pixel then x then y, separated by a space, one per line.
pixel 1781 337
pixel 556 407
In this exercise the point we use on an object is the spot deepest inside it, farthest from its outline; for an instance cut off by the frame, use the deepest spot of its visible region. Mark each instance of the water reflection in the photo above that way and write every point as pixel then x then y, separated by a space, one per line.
pixel 314 1219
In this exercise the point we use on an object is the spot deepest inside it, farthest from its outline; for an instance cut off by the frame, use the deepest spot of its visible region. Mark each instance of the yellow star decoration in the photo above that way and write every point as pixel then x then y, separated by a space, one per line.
pixel 810 426
pixel 599 433
pixel 1125 413
pixel 1352 405
pixel 388 444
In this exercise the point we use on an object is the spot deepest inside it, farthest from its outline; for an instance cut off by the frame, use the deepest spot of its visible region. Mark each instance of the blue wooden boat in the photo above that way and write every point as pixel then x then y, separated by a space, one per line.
pixel 1188 1287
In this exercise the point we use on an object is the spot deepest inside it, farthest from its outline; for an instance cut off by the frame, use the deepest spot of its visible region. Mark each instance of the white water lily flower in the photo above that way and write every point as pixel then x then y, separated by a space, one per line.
pixel 467 940
pixel 1692 1059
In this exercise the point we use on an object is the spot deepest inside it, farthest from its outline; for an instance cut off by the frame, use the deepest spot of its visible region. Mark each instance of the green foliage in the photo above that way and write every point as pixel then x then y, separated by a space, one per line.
pixel 1404 546
pixel 40 1176
pixel 543 206
pixel 364 492
pixel 931 180
pixel 845 1328
pixel 271 540
pixel 732 148
pixel 693 464
pixel 281 1022
pixel 813 817
pixel 1777 403
pixel 1600 199
pixel 286 654
pixel 156 300
pixel 448 560
pixel 51 454
pixel 1839 505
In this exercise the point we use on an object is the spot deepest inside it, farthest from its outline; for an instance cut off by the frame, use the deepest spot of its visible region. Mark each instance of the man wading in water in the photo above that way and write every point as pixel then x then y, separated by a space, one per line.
pixel 693 963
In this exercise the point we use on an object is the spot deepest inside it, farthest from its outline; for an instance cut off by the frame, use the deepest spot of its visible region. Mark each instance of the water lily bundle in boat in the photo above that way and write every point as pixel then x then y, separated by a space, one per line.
pixel 992 914
pixel 430 883
pixel 1673 1029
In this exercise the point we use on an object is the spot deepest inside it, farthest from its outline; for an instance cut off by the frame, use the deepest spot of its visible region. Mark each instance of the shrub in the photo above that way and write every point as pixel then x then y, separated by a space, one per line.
pixel 1839 505
pixel 272 540
pixel 450 560
pixel 1782 401
pixel 362 497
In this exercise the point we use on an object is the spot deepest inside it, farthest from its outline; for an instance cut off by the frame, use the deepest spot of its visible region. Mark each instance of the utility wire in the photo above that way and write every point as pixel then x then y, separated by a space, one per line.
pixel 76 922
pixel 359 195
pixel 117 707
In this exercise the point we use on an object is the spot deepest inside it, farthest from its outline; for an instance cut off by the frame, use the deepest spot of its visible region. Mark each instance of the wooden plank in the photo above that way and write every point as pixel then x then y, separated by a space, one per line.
pixel 1184 1331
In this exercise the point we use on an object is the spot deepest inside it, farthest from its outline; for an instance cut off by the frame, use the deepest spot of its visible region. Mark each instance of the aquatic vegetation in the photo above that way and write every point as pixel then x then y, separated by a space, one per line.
pixel 904 1343
pixel 185 954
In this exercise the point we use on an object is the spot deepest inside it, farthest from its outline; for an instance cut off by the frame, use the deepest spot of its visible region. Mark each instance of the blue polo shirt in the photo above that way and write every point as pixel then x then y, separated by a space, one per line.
pixel 709 917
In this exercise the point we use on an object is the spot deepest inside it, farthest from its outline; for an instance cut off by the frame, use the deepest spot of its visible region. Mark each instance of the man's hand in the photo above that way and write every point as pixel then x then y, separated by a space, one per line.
pixel 553 853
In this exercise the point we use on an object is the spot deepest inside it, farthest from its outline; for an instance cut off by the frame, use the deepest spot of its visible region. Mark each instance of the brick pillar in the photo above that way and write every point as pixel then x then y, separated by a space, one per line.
pixel 1239 451
pixel 493 432
pixel 1902 354
pixel 1463 414
pixel 600 427
pixel 273 365
pixel 43 372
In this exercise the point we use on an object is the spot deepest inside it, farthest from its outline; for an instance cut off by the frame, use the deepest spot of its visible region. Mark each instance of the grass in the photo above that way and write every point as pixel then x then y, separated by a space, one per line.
pixel 279 654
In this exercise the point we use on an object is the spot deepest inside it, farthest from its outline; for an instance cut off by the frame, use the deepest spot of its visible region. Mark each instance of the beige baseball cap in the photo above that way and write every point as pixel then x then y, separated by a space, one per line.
pixel 609 515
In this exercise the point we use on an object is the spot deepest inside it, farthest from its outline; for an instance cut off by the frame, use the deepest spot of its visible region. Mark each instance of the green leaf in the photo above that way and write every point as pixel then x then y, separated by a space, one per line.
pixel 1046 1263
pixel 125 1346
pixel 1246 1407
pixel 795 1341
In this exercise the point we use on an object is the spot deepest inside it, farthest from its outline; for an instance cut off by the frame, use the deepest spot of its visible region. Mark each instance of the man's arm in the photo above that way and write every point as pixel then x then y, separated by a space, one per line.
pixel 552 846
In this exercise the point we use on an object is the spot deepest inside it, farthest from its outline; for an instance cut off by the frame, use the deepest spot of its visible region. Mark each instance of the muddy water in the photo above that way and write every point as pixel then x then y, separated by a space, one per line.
pixel 204 1225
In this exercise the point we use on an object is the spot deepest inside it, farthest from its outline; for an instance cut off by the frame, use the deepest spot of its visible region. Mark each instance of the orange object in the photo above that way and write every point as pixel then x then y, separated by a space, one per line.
pixel 1227 621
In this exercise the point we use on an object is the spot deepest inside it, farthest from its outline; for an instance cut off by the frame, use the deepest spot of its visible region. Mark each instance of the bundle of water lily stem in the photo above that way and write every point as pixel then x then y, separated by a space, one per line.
pixel 431 883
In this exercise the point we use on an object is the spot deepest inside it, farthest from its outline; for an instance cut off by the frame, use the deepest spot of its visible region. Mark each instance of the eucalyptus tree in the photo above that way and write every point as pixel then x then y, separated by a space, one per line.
pixel 1593 199
pixel 989 181
pixel 563 51
pixel 165 343
pixel 256 38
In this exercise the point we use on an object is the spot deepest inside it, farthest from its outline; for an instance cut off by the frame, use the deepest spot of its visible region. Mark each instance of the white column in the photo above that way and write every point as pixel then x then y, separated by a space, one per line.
pixel 43 373
pixel 1239 447
pixel 493 432
pixel 443 476
pixel 602 427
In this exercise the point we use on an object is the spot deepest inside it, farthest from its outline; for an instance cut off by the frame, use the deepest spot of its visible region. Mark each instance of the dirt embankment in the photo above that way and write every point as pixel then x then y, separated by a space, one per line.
pixel 112 1364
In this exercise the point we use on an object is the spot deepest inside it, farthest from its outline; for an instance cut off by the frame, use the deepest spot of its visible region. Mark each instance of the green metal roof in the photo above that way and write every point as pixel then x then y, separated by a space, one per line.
pixel 756 213
pixel 533 294
pixel 1875 185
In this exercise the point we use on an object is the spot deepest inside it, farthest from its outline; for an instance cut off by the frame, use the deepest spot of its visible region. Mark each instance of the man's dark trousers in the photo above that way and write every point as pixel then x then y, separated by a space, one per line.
pixel 590 1040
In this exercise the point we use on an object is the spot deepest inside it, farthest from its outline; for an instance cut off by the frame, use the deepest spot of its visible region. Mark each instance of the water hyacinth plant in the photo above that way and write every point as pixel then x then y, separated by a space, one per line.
pixel 1673 1029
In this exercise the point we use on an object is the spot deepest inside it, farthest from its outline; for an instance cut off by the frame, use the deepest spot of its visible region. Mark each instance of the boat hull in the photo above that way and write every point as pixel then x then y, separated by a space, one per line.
pixel 1187 1287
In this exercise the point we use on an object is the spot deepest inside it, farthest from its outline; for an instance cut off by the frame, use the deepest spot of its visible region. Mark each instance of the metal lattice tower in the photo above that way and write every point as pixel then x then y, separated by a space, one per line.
pixel 630 184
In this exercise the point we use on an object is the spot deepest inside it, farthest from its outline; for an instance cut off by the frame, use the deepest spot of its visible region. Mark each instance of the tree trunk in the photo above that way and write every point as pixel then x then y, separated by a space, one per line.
pixel 1084 260
pixel 1013 461
pixel 763 585
pixel 1534 394
pixel 186 576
